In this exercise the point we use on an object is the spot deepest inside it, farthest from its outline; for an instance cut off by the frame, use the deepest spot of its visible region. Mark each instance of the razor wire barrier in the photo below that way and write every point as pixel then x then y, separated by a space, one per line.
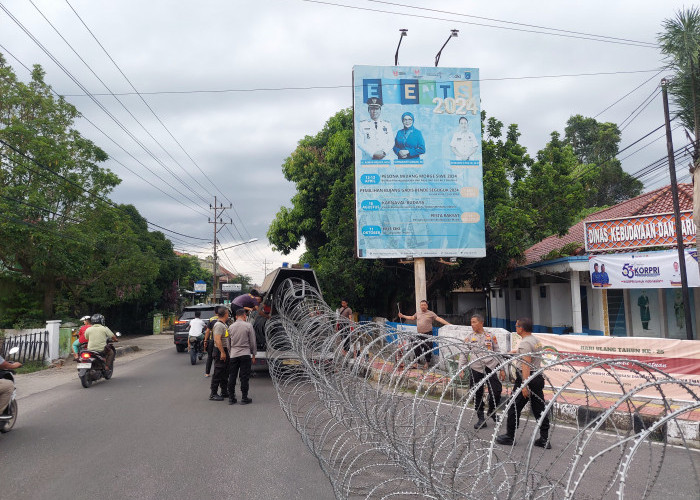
pixel 382 429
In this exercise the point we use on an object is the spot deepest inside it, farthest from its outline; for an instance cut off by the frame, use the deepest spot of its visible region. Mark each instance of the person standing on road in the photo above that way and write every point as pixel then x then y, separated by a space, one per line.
pixel 81 336
pixel 6 386
pixel 533 391
pixel 197 326
pixel 242 354
pixel 344 311
pixel 209 341
pixel 97 336
pixel 221 356
pixel 424 324
pixel 483 366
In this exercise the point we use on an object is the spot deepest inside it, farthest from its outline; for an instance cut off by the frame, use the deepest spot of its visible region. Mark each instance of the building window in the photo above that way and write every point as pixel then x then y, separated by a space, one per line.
pixel 500 293
pixel 518 294
pixel 543 292
pixel 493 294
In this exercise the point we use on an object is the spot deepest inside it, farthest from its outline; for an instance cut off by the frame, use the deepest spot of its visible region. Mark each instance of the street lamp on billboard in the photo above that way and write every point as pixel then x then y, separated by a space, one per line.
pixel 404 32
pixel 454 33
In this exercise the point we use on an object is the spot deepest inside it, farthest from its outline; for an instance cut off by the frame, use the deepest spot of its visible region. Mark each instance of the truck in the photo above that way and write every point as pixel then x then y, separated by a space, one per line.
pixel 270 285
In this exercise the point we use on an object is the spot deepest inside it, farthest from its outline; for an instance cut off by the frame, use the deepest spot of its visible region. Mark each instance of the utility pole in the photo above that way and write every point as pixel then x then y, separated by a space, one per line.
pixel 677 214
pixel 219 224
pixel 265 263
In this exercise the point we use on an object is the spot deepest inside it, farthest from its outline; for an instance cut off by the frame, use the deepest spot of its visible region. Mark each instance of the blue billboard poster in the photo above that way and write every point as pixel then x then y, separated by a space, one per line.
pixel 418 164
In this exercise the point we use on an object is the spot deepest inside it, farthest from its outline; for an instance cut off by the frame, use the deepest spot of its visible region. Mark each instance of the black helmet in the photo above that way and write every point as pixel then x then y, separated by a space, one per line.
pixel 97 319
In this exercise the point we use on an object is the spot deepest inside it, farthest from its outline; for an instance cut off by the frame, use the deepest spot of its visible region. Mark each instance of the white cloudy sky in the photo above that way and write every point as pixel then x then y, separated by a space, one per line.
pixel 258 50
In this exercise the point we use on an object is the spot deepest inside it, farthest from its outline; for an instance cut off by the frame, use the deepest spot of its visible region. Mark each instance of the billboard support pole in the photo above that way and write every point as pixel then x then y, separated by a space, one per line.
pixel 677 214
pixel 419 276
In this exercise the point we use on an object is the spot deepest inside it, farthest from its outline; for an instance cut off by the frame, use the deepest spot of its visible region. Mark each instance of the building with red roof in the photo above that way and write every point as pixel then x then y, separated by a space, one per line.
pixel 553 283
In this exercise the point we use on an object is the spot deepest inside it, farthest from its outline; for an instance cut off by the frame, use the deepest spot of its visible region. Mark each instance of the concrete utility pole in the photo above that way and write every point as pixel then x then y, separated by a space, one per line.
pixel 218 226
pixel 677 215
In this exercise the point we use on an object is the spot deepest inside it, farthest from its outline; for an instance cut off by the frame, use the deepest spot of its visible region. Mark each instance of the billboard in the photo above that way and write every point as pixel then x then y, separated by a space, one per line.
pixel 643 269
pixel 418 163
pixel 200 286
pixel 637 232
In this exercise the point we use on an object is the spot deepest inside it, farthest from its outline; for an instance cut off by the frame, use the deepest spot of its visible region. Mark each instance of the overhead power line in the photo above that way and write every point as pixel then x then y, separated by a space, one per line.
pixel 559 33
pixel 327 87
pixel 91 193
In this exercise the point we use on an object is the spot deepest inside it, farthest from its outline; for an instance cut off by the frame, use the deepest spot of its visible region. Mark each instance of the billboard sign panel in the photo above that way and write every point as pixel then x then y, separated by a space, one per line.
pixel 200 286
pixel 637 232
pixel 231 287
pixel 418 163
pixel 642 269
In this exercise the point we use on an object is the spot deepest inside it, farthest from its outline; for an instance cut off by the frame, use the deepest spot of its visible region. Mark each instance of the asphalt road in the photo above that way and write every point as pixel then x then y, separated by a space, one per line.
pixel 152 433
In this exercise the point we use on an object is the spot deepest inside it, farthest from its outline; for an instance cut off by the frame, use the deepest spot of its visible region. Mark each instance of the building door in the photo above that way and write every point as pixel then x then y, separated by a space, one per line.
pixel 616 313
pixel 584 309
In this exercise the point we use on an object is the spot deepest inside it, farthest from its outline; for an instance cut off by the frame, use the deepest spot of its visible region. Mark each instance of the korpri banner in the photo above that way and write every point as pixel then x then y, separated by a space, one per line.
pixel 642 270
pixel 418 163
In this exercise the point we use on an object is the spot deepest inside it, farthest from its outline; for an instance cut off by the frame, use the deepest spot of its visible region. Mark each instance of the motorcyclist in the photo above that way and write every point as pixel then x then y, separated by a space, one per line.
pixel 81 336
pixel 97 336
pixel 197 326
pixel 6 386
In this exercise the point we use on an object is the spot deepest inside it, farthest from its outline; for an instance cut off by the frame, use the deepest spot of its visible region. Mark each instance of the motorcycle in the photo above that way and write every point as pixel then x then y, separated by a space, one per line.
pixel 9 416
pixel 196 349
pixel 92 365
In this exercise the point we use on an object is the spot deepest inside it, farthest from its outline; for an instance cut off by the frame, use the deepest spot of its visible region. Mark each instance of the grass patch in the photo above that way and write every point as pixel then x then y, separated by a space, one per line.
pixel 31 367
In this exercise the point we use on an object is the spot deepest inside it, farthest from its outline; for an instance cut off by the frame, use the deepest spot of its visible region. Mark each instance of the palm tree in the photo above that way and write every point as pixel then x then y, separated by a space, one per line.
pixel 680 43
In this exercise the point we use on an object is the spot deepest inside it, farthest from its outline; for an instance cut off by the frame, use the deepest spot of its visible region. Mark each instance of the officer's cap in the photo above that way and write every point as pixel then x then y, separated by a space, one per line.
pixel 374 102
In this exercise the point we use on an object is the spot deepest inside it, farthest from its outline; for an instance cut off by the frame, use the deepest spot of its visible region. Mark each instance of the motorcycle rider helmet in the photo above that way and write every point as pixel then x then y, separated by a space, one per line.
pixel 97 319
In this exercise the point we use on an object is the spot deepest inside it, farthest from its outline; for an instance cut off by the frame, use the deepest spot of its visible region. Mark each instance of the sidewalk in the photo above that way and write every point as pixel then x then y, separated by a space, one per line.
pixel 128 348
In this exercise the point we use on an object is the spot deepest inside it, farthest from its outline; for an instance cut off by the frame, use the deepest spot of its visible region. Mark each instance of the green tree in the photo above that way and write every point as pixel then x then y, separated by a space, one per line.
pixel 596 146
pixel 322 216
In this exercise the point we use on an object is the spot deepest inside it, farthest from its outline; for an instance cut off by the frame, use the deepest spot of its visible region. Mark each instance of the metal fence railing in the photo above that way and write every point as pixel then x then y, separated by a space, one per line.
pixel 32 346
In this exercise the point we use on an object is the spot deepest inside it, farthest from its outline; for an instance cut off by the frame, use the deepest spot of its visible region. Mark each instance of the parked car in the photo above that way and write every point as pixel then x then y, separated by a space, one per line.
pixel 182 325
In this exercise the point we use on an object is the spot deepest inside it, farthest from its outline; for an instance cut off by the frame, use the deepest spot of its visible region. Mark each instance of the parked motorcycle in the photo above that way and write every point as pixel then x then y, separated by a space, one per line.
pixel 196 349
pixel 9 416
pixel 92 365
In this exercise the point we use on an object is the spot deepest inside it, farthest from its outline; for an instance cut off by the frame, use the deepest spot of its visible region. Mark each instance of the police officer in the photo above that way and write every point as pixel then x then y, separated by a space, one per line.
pixel 375 136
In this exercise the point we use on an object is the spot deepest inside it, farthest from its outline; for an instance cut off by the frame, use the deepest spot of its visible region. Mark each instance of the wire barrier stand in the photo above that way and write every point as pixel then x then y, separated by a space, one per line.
pixel 383 429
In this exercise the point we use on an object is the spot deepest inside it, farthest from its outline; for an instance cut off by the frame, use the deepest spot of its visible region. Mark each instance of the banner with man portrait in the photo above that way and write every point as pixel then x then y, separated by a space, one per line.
pixel 659 269
pixel 418 164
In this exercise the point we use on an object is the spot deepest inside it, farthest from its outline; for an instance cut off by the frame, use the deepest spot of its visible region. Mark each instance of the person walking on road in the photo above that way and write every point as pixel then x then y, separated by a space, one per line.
pixel 209 341
pixel 344 311
pixel 221 356
pixel 483 365
pixel 533 391
pixel 424 324
pixel 242 355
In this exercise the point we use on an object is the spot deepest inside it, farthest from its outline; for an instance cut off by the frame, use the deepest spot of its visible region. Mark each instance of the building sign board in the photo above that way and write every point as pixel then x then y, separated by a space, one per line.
pixel 231 287
pixel 642 269
pixel 638 232
pixel 200 286
pixel 418 162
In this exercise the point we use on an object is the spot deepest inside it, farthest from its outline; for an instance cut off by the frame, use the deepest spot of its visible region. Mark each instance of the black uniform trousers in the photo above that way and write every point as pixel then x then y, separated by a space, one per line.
pixel 537 404
pixel 221 369
pixel 239 365
pixel 423 346
pixel 210 355
pixel 495 389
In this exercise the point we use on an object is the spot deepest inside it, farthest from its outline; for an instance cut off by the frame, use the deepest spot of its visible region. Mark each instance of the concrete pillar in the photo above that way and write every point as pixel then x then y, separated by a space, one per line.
pixel 53 326
pixel 419 275
pixel 576 302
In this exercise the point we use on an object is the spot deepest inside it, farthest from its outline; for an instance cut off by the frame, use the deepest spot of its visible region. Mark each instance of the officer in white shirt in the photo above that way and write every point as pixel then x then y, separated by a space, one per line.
pixel 464 143
pixel 375 137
